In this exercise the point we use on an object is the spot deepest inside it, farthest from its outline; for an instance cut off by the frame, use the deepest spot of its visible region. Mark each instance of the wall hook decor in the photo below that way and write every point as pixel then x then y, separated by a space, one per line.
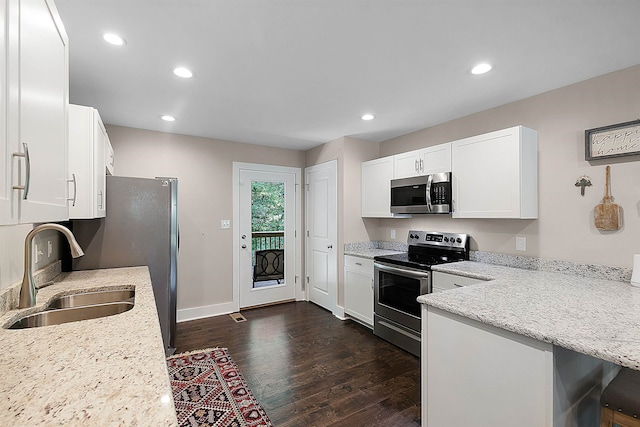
pixel 583 181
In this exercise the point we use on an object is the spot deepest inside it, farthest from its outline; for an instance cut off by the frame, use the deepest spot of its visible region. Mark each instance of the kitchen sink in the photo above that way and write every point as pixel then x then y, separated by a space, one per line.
pixel 93 298
pixel 66 315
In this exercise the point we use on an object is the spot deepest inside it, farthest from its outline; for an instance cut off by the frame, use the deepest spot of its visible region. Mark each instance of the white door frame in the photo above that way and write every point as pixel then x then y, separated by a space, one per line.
pixel 332 165
pixel 237 167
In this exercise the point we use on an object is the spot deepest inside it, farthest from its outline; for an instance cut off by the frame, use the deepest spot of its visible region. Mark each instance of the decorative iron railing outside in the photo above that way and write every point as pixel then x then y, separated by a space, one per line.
pixel 262 240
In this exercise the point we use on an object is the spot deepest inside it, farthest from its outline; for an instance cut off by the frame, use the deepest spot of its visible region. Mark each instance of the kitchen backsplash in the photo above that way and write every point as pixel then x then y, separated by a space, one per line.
pixel 10 296
pixel 595 271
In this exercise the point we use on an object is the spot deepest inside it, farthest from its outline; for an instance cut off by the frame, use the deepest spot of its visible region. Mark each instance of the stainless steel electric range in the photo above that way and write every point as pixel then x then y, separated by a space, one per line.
pixel 400 279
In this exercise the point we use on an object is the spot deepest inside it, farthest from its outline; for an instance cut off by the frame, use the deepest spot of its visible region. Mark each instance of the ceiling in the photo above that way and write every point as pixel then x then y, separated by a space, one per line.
pixel 299 73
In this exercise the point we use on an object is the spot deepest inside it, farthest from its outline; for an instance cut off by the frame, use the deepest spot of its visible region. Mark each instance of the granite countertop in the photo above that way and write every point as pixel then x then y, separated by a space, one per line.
pixel 99 372
pixel 597 317
pixel 370 252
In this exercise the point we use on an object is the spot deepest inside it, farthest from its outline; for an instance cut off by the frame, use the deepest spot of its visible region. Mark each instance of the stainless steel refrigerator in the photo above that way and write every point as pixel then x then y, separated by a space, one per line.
pixel 141 228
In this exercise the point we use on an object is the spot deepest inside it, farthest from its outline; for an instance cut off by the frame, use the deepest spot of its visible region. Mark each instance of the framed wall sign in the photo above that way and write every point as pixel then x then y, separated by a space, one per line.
pixel 618 140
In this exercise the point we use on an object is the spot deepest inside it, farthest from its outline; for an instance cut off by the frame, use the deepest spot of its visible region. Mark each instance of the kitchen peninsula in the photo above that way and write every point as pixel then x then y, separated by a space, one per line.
pixel 98 372
pixel 526 348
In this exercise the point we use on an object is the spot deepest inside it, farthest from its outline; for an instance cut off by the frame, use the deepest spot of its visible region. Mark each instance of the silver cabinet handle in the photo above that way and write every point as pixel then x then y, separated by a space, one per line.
pixel 421 165
pixel 100 200
pixel 75 189
pixel 359 263
pixel 416 166
pixel 27 163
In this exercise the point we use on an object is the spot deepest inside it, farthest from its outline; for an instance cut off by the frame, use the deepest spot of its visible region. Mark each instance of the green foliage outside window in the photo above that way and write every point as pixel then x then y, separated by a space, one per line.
pixel 267 206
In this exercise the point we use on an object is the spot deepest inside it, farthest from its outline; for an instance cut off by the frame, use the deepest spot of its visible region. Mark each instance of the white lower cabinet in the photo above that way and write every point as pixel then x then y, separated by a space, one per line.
pixel 358 288
pixel 87 138
pixel 477 375
pixel 445 281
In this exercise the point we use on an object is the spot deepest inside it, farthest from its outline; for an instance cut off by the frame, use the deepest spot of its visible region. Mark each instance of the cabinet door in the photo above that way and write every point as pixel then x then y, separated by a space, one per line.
pixel 43 112
pixel 358 289
pixel 109 156
pixel 87 137
pixel 99 166
pixel 436 159
pixel 495 175
pixel 5 147
pixel 406 165
pixel 376 187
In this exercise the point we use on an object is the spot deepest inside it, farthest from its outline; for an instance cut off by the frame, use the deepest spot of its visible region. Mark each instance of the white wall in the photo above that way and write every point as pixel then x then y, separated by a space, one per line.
pixel 564 229
pixel 204 170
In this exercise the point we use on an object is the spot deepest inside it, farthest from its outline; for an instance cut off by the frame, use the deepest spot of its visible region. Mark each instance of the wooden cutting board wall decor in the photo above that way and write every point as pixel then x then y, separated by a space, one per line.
pixel 607 214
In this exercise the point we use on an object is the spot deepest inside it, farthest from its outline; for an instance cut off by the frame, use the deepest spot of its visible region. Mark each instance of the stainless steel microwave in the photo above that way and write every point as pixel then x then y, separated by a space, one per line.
pixel 429 194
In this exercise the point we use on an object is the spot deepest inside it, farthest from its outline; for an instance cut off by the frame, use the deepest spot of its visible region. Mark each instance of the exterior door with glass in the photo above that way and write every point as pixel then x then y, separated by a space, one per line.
pixel 267 237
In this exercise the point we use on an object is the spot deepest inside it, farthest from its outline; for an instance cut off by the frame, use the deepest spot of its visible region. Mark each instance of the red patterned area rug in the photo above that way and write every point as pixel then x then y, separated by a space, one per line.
pixel 208 390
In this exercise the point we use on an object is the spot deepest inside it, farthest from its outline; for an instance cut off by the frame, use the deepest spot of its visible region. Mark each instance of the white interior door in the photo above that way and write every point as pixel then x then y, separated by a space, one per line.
pixel 322 234
pixel 267 260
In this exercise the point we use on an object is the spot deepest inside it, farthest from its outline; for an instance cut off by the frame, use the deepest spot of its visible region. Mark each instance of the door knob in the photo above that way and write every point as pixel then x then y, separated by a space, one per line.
pixel 244 246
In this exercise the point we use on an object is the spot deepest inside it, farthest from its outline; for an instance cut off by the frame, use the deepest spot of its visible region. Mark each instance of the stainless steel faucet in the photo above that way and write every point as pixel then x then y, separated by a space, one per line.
pixel 28 289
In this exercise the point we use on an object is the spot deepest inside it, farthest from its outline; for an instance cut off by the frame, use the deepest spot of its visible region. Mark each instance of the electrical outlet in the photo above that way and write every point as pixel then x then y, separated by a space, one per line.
pixel 225 224
pixel 393 234
pixel 521 243
pixel 38 253
pixel 49 248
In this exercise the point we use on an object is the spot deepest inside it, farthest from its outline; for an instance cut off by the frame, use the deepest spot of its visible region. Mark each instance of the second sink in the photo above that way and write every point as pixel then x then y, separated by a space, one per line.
pixel 92 298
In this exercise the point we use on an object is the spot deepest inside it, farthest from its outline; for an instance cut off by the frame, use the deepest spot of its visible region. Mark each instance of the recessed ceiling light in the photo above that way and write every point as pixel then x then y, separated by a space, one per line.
pixel 481 68
pixel 367 117
pixel 114 39
pixel 168 118
pixel 183 72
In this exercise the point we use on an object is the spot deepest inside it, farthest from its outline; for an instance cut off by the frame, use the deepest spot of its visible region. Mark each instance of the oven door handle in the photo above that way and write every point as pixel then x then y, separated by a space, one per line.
pixel 401 271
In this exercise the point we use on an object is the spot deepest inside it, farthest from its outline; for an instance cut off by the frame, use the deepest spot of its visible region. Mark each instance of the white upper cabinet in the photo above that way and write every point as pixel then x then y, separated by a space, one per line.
pixel 35 107
pixel 87 163
pixel 495 175
pixel 5 149
pixel 376 187
pixel 109 156
pixel 407 164
pixel 435 159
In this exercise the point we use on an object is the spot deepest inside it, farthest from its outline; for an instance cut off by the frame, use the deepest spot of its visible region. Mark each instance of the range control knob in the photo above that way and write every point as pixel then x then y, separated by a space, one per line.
pixel 459 240
pixel 446 239
pixel 411 236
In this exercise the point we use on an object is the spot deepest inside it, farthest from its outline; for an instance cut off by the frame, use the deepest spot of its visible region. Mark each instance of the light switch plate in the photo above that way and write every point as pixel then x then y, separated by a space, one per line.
pixel 225 224
pixel 393 234
pixel 521 243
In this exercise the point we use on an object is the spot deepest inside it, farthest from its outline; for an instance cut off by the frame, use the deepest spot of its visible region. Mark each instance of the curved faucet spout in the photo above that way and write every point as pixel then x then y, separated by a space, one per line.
pixel 28 289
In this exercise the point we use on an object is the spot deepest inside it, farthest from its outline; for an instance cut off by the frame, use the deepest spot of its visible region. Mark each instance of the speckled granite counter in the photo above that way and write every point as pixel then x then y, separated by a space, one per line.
pixel 597 317
pixel 101 372
pixel 371 252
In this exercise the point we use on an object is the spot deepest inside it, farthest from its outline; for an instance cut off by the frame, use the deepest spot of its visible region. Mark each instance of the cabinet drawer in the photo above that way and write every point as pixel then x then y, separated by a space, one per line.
pixel 358 262
pixel 446 281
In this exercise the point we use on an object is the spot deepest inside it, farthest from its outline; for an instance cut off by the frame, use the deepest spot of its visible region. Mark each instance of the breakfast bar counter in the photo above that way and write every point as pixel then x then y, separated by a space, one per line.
pixel 596 317
pixel 98 372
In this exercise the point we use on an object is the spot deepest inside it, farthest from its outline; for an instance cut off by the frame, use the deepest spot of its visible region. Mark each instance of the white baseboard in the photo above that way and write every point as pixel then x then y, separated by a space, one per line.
pixel 194 313
pixel 339 313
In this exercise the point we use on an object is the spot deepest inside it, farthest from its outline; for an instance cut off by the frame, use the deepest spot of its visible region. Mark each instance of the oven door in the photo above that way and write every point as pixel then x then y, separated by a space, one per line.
pixel 395 292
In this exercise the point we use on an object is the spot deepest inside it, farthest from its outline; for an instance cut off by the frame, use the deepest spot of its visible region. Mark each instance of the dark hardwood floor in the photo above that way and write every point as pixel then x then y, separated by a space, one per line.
pixel 308 368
